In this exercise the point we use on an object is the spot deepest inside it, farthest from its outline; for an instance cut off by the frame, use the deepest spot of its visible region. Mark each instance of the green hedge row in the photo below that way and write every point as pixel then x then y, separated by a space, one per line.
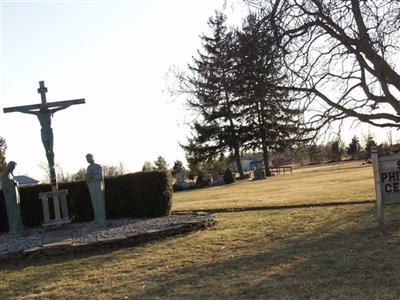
pixel 143 194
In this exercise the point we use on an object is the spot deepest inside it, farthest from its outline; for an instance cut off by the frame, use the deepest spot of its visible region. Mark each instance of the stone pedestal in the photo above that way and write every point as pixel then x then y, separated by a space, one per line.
pixel 59 198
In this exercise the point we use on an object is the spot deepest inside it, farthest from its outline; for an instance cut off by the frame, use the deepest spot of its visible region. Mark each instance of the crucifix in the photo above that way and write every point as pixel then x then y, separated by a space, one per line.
pixel 44 112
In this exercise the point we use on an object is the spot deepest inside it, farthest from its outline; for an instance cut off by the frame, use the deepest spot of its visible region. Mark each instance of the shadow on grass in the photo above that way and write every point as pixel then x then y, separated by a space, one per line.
pixel 275 207
pixel 345 257
pixel 342 256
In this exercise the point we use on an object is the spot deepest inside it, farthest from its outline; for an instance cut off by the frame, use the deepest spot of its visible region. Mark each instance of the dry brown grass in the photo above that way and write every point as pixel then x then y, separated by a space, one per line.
pixel 323 253
pixel 300 253
pixel 317 184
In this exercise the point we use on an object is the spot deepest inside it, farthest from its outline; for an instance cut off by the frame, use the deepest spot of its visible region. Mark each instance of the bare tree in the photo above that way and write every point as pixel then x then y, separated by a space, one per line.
pixel 340 55
pixel 79 176
pixel 3 149
pixel 111 171
pixel 62 175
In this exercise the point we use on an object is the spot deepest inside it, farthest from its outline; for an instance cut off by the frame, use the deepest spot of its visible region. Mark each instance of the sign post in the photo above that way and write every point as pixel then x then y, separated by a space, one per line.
pixel 387 181
pixel 378 188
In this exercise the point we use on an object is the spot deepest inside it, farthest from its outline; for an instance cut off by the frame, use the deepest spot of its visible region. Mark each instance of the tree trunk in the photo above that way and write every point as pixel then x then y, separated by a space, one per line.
pixel 266 160
pixel 237 159
pixel 236 142
pixel 236 150
pixel 263 136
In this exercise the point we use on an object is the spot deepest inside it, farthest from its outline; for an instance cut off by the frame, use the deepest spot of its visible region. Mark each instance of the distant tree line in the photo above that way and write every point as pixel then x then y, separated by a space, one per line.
pixel 159 164
pixel 64 176
pixel 335 150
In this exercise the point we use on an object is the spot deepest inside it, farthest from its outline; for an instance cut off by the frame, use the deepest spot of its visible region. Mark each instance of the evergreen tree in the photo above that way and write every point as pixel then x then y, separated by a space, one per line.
pixel 354 148
pixel 161 164
pixel 369 143
pixel 272 122
pixel 218 128
pixel 315 154
pixel 178 167
pixel 337 150
pixel 228 176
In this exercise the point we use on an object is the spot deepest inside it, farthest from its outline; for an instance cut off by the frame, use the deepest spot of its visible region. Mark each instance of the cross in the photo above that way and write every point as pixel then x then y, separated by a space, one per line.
pixel 44 112
pixel 42 90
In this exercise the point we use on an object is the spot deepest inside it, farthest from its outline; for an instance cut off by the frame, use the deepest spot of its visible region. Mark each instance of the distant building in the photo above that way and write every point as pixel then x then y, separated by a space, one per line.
pixel 26 180
pixel 23 180
pixel 257 164
pixel 246 164
pixel 251 162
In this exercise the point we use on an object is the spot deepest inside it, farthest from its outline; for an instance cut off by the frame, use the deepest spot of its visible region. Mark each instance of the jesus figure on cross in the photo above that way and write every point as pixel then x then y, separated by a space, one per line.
pixel 44 112
pixel 44 115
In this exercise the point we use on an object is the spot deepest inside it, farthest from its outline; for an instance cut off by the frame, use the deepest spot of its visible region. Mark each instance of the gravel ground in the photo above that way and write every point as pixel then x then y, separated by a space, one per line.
pixel 83 233
pixel 121 228
pixel 29 238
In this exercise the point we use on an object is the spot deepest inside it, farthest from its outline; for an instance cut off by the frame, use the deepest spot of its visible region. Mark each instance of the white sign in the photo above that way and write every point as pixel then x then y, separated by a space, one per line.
pixel 387 181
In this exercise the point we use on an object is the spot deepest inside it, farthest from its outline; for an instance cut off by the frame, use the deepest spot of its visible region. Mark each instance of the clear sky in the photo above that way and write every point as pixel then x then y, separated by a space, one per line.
pixel 115 54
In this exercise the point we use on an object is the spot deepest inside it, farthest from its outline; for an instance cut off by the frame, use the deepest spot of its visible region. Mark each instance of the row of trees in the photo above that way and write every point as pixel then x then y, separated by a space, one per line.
pixel 249 87
pixel 62 175
pixel 229 86
pixel 335 150
pixel 160 164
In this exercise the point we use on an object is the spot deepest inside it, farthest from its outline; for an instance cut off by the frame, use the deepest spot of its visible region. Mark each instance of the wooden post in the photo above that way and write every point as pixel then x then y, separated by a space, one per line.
pixel 378 187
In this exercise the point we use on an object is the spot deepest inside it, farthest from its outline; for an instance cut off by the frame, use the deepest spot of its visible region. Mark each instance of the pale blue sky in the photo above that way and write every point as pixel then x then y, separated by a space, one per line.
pixel 116 55
pixel 113 53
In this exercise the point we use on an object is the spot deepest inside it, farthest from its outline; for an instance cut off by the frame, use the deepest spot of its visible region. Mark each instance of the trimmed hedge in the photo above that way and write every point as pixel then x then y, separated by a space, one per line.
pixel 142 194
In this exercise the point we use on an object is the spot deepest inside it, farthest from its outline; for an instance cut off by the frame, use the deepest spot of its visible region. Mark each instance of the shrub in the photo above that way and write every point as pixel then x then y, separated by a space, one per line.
pixel 228 176
pixel 177 188
pixel 200 182
pixel 143 194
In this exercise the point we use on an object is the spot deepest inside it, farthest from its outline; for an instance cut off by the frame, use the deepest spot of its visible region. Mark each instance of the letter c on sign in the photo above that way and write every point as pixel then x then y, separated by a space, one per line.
pixel 398 164
pixel 388 188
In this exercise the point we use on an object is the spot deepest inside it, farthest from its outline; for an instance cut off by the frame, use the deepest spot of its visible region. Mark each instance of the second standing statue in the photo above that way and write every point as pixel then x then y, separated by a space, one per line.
pixel 95 184
pixel 11 197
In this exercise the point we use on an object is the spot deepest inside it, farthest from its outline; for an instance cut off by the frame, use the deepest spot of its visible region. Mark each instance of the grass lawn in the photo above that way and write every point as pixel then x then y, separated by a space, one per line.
pixel 318 184
pixel 322 252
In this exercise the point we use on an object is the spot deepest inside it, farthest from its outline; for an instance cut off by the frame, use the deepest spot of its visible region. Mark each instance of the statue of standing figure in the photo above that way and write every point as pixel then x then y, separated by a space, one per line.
pixel 95 184
pixel 12 199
